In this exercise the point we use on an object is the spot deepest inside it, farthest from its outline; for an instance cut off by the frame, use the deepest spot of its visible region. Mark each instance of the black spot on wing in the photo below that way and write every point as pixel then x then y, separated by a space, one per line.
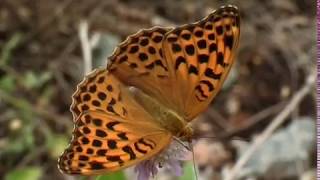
pixel 83 158
pixel 96 165
pixel 186 36
pixel 211 74
pixel 203 58
pixel 219 30
pixel 202 94
pixel 179 61
pixel 102 152
pixel 97 122
pixel 198 33
pixel 150 66
pixel 123 136
pixel 157 39
pixel 110 109
pixel 143 56
pixel 211 36
pixel 193 70
pixel 101 80
pixel 189 49
pixel 213 47
pixel 85 140
pixel 86 97
pixel 86 130
pixel 90 151
pixel 136 146
pixel 208 84
pixel 176 47
pixel 102 96
pixel 202 44
pixel 93 88
pixel 220 59
pixel 142 141
pixel 79 149
pixel 112 144
pixel 129 150
pixel 134 49
pixel 151 50
pixel 114 159
pixel 100 133
pixel 158 62
pixel 228 40
pixel 96 143
pixel 144 42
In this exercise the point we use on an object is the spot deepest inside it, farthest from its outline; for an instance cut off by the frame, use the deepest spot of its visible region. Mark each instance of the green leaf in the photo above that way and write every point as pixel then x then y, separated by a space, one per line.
pixel 188 172
pixel 30 80
pixel 56 145
pixel 33 80
pixel 29 173
pixel 113 176
pixel 20 141
pixel 9 47
pixel 46 96
pixel 7 83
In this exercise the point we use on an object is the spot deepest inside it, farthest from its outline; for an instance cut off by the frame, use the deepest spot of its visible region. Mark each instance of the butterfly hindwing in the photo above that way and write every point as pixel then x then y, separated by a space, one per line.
pixel 98 91
pixel 104 143
pixel 200 56
pixel 113 135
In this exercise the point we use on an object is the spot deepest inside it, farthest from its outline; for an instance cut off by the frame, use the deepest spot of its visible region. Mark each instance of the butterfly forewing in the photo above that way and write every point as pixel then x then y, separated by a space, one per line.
pixel 200 56
pixel 189 63
pixel 139 62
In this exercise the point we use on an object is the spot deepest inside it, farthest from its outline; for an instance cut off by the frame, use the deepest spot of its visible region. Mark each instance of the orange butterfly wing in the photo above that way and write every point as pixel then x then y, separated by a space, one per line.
pixel 189 65
pixel 201 55
pixel 111 130
pixel 139 62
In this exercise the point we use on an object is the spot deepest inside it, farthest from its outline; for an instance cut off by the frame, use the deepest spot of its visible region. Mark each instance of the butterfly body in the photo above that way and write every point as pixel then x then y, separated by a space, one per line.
pixel 155 83
pixel 166 118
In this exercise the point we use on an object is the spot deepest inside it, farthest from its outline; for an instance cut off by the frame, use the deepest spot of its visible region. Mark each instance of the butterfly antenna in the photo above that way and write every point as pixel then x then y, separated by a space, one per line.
pixel 194 160
pixel 180 142
pixel 224 138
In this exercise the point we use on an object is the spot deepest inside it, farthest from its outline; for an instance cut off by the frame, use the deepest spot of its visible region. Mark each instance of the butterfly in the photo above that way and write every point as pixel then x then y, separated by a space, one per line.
pixel 155 83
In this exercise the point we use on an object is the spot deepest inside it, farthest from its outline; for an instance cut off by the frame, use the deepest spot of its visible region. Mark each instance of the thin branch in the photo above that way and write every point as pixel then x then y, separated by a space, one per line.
pixel 85 45
pixel 276 122
pixel 218 119
pixel 253 120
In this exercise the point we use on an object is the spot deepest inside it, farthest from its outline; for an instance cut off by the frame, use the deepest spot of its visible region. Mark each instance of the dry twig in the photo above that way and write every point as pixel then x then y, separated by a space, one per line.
pixel 255 119
pixel 86 47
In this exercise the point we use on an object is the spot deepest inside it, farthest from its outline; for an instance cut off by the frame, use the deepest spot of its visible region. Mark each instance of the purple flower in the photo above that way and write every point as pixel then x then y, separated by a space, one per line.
pixel 171 159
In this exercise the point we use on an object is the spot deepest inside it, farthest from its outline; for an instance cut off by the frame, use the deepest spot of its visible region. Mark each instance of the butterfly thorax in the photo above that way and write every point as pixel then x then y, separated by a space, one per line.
pixel 167 118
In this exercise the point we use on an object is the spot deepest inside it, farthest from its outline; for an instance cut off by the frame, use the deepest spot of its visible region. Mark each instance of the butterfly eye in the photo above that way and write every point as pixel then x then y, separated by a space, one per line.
pixel 160 165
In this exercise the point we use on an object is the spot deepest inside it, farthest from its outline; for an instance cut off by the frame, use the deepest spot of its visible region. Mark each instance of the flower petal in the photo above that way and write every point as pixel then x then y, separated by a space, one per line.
pixel 175 167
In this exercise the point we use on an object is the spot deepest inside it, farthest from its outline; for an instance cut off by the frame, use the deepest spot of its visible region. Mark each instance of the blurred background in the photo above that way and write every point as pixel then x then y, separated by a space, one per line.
pixel 41 62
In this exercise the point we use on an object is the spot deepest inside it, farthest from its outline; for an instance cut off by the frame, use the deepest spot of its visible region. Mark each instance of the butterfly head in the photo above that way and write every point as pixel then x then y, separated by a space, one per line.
pixel 185 134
